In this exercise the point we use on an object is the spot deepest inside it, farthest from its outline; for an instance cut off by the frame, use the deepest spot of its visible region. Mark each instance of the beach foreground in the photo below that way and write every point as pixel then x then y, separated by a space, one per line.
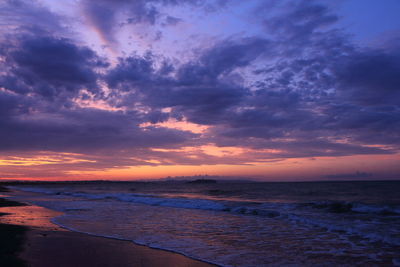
pixel 224 223
pixel 11 238
pixel 47 245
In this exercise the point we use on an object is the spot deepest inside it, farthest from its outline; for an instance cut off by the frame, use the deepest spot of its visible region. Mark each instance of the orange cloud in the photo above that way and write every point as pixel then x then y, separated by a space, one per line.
pixel 179 125
pixel 43 158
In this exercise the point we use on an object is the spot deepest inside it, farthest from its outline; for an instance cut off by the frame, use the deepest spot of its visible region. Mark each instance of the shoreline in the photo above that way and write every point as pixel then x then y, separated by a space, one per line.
pixel 46 244
pixel 208 264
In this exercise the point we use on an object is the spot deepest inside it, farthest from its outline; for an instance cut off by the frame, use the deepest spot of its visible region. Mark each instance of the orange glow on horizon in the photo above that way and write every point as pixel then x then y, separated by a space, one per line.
pixel 44 166
pixel 283 170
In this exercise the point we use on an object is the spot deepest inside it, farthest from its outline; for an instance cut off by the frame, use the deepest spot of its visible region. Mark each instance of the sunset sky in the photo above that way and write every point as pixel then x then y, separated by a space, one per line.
pixel 138 89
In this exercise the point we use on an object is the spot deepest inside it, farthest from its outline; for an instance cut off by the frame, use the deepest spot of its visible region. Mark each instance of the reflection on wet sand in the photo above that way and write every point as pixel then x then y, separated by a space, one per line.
pixel 31 216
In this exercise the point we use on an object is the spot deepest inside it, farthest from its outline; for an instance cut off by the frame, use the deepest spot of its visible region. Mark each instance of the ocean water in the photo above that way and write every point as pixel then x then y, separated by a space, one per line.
pixel 238 223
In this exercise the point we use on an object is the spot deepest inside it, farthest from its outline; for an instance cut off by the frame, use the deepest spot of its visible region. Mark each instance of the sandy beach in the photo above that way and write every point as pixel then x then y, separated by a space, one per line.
pixel 47 245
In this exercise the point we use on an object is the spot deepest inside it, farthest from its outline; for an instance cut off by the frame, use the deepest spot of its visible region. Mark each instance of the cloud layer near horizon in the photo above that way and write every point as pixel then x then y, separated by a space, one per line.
pixel 293 87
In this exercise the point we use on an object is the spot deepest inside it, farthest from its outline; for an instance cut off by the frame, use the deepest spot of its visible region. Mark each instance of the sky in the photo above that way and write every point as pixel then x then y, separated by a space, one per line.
pixel 269 90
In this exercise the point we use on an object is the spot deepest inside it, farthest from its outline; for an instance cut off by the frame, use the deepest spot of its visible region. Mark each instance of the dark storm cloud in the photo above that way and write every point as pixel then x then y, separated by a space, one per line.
pixel 81 130
pixel 219 61
pixel 48 66
pixel 372 76
pixel 41 77
pixel 200 90
pixel 131 72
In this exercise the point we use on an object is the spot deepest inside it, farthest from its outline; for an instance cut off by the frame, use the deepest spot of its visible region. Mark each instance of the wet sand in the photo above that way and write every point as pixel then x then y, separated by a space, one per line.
pixel 48 245
pixel 66 248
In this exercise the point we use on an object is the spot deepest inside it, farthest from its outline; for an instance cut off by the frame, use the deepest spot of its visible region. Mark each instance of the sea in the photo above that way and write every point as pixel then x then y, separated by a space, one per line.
pixel 238 223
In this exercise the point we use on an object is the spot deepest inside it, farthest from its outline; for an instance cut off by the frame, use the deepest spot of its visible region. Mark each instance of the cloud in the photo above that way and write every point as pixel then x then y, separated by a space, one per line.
pixel 170 20
pixel 48 66
pixel 83 131
pixel 200 90
pixel 21 15
pixel 371 77
pixel 298 88
pixel 41 79
pixel 219 61
pixel 108 15
pixel 305 101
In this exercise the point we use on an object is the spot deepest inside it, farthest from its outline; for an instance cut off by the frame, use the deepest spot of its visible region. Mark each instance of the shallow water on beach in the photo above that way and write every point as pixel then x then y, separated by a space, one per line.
pixel 239 224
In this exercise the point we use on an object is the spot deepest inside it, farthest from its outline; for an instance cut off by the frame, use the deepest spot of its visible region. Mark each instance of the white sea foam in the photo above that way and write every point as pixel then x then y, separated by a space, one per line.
pixel 347 227
pixel 153 200
pixel 385 210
